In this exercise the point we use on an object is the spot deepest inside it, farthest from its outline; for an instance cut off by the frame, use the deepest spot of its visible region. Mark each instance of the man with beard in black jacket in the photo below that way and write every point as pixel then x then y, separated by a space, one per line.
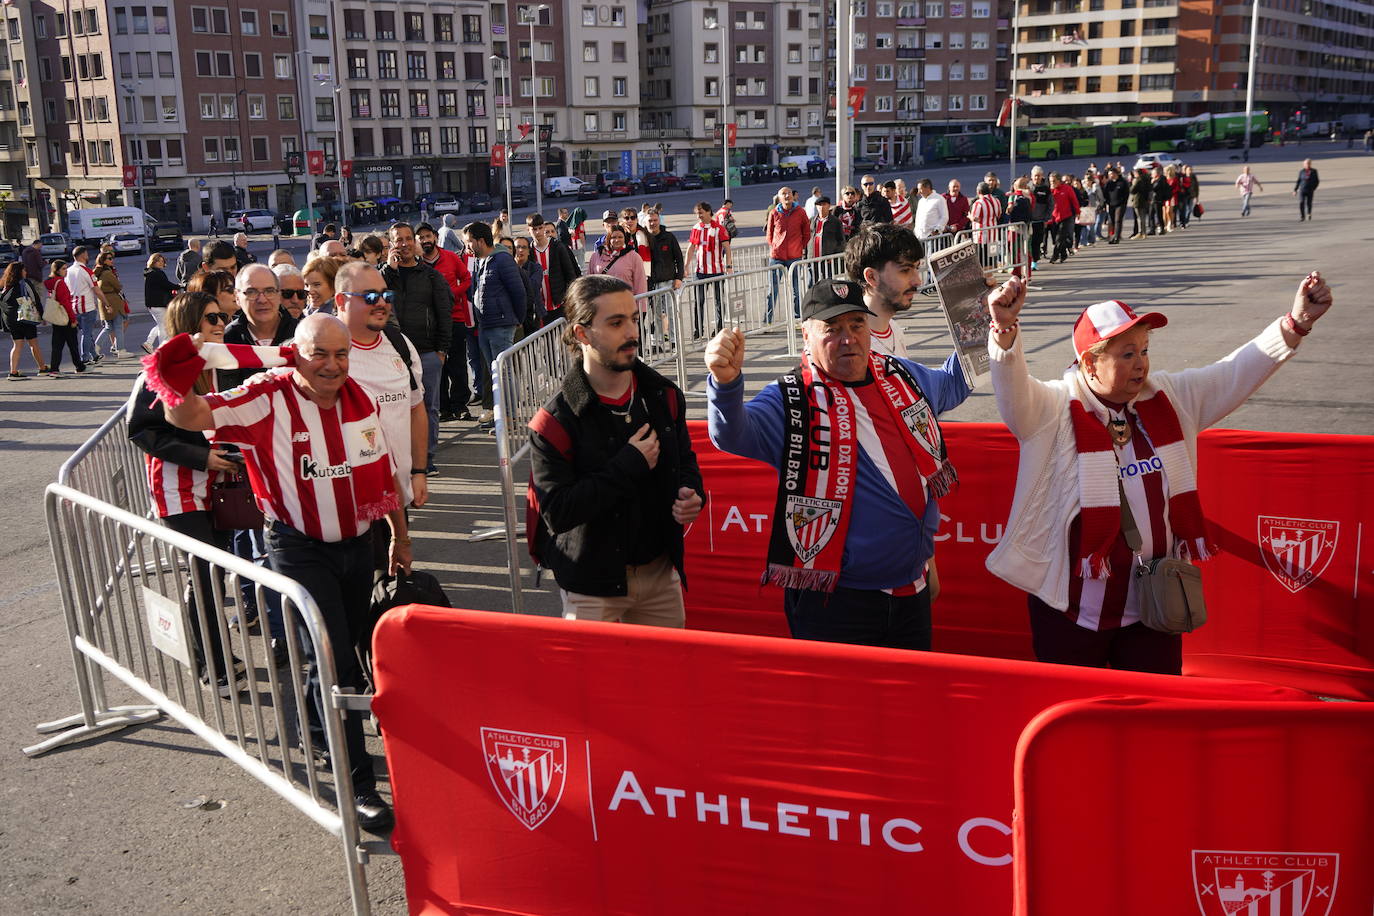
pixel 557 265
pixel 874 207
pixel 1115 191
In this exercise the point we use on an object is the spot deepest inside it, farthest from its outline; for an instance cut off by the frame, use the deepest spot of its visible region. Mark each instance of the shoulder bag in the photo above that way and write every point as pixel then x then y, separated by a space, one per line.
pixel 232 506
pixel 1169 590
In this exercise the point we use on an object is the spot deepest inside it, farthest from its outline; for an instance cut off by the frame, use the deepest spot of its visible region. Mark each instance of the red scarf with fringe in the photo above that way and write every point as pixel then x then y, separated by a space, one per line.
pixel 173 368
pixel 1100 498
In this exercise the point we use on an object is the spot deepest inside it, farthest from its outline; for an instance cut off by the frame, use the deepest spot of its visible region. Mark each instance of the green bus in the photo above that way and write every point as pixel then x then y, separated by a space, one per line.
pixel 962 147
pixel 1226 129
pixel 1067 141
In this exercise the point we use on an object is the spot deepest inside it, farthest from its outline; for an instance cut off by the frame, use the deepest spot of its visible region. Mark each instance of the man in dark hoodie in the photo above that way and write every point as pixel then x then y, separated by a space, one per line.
pixel 498 301
pixel 423 310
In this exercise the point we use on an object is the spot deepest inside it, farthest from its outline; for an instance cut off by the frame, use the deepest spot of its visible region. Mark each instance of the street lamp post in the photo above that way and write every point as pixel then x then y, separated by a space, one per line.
pixel 501 64
pixel 534 104
pixel 724 101
pixel 131 92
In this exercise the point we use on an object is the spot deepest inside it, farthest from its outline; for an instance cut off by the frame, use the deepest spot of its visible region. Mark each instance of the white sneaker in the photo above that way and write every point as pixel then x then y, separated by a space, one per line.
pixel 486 417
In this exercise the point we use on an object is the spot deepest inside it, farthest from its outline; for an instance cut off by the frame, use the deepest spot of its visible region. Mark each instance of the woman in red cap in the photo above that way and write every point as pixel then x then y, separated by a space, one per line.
pixel 1110 432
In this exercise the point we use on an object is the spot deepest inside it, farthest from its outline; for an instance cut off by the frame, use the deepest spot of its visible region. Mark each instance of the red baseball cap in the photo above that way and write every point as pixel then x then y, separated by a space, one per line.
pixel 1105 320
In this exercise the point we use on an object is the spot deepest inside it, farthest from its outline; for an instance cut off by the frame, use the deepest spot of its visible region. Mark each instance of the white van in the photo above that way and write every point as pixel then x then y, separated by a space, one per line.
pixel 93 225
pixel 558 187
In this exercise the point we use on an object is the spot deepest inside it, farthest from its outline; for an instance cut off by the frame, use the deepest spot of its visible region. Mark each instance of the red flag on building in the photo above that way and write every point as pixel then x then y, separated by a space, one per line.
pixel 130 175
pixel 498 156
pixel 731 132
pixel 1005 115
pixel 314 161
pixel 856 99
pixel 525 130
pixel 346 168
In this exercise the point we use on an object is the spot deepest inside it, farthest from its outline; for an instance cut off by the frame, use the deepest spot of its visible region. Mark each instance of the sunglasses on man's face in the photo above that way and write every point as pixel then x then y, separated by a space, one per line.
pixel 293 294
pixel 216 317
pixel 372 296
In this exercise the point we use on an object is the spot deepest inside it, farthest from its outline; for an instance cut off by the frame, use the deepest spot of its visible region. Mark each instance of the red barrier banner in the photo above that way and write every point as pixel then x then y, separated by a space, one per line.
pixel 1285 600
pixel 568 767
pixel 1196 809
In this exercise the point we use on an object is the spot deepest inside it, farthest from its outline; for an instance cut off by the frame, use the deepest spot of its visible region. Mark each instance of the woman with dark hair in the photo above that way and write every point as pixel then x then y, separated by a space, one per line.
pixel 114 308
pixel 182 465
pixel 20 300
pixel 218 283
pixel 373 251
pixel 63 335
pixel 158 290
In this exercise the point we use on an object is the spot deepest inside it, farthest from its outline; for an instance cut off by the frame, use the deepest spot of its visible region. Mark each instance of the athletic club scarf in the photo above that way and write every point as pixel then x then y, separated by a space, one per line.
pixel 1100 497
pixel 816 484
pixel 174 367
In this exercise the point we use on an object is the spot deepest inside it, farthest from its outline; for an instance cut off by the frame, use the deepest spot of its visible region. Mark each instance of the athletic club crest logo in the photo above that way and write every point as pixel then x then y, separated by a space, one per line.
pixel 527 770
pixel 1232 883
pixel 922 424
pixel 1297 550
pixel 811 522
pixel 840 289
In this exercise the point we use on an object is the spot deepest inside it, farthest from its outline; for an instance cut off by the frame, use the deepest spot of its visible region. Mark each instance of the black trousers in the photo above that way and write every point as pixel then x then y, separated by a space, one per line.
pixel 199 526
pixel 1037 251
pixel 338 575
pixel 454 388
pixel 1059 640
pixel 1305 204
pixel 65 337
pixel 860 617
pixel 1063 232
pixel 1116 215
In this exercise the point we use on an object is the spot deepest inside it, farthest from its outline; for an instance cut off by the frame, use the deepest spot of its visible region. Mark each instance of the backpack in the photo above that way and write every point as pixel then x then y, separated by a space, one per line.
pixel 401 343
pixel 731 229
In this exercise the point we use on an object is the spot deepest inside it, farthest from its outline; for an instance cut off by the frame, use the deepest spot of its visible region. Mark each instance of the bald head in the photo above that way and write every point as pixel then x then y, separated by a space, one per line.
pixel 254 276
pixel 320 331
pixel 358 276
pixel 334 249
pixel 322 345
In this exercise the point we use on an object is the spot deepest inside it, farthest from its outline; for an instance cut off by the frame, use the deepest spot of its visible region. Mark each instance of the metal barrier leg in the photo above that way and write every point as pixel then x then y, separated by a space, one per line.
pixel 512 532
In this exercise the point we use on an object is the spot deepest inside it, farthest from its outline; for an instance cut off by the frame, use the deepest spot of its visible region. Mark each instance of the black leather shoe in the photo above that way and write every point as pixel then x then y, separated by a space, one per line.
pixel 374 814
pixel 447 416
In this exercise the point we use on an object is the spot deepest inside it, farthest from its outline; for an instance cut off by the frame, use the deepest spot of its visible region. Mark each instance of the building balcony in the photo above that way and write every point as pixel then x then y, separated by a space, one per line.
pixel 909 116
pixel 911 22
pixel 911 53
pixel 910 84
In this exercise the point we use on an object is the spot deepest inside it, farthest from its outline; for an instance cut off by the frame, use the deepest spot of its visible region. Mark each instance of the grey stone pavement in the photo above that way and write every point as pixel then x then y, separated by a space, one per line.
pixel 101 827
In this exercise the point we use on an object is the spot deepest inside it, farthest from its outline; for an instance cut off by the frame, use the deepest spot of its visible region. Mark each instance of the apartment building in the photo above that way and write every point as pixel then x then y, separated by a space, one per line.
pixel 1109 58
pixel 21 137
pixel 765 57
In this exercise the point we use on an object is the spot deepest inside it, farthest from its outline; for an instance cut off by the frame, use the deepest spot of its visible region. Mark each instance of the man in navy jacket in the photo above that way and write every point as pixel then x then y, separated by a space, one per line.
pixel 498 300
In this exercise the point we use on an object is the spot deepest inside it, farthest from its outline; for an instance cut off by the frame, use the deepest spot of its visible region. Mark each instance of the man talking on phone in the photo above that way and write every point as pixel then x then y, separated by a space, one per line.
pixel 613 478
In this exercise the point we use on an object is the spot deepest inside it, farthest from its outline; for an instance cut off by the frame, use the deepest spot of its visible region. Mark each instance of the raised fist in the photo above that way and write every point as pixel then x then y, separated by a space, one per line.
pixel 725 356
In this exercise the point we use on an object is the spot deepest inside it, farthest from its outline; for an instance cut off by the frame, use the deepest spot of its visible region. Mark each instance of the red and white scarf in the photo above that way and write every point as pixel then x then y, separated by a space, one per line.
pixel 817 482
pixel 173 368
pixel 1100 497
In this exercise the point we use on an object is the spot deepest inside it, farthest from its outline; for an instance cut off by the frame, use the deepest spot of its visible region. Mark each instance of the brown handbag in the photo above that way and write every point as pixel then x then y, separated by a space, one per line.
pixel 232 506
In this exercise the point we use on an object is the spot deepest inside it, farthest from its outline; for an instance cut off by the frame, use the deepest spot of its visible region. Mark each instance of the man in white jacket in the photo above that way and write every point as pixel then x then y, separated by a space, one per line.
pixel 932 213
pixel 85 302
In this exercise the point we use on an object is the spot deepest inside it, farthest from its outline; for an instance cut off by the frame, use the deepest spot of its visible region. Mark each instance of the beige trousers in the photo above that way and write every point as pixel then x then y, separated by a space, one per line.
pixel 654 598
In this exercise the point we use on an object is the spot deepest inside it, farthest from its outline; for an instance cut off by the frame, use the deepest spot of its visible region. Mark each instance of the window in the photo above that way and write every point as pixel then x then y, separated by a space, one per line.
pixel 978 71
pixel 1125 84
pixel 1094 84
pixel 860 40
pixel 710 18
pixel 956 10
pixel 591 121
pixel 387 68
pixel 40 25
pixel 882 40
pixel 445 65
pixel 591 87
pixel 1125 56
pixel 524 14
pixel 126 65
pixel 618 86
pixel 448 103
pixel 589 15
pixel 281 65
pixel 385 23
pixel 1094 57
pixel 259 147
pixel 257 108
pixel 860 72
pixel 982 9
pixel 211 149
pixel 230 147
pixel 45 69
pixel 934 73
pixel 319 26
pixel 882 72
pixel 1127 28
pixel 252 65
pixel 794 54
pixel 712 87
pixel 882 103
pixel 360 102
pixel 884 10
pixel 956 40
pixel 618 52
pixel 589 52
pixel 286 108
pixel 474 65
pixel 448 140
pixel 956 103
pixel 935 40
pixel 355 24
pixel 419 103
pixel 618 120
pixel 224 63
pixel 205 65
pixel 793 20
pixel 443 31
pixel 324 109
pixel 415 28
pixel 477 103
pixel 956 71
pixel 391 141
pixel 166 66
pixel 208 109
pixel 935 10
pixel 279 25
pixel 417 65
pixel 978 41
pixel 710 54
pixel 617 15
pixel 362 142
pixel 419 141
pixel 228 107
pixel 933 102
pixel 66 68
pixel 390 103
pixel 248 22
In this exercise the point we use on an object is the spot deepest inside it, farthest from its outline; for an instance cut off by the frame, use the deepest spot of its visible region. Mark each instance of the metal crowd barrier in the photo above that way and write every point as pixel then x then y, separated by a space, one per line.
pixel 802 276
pixel 1001 247
pixel 110 467
pixel 750 255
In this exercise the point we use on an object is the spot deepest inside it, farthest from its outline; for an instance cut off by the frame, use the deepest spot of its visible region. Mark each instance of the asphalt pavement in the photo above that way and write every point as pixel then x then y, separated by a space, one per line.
pixel 103 827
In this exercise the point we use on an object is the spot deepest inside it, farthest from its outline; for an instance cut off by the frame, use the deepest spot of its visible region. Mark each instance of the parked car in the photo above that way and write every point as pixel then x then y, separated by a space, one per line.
pixel 604 180
pixel 166 236
pixel 561 185
pixel 440 202
pixel 1148 161
pixel 476 202
pixel 8 253
pixel 588 191
pixel 862 164
pixel 519 197
pixel 655 182
pixel 257 220
pixel 620 187
pixel 690 182
pixel 125 242
pixel 55 245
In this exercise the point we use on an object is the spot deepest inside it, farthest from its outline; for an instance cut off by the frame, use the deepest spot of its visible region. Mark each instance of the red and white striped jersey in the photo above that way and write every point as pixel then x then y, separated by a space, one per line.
pixel 294 453
pixel 891 342
pixel 901 212
pixel 175 488
pixel 709 239
pixel 982 213
pixel 1105 604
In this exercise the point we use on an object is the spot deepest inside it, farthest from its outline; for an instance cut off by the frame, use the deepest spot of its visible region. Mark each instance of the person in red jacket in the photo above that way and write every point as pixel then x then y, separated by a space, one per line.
pixel 787 231
pixel 1062 218
pixel 64 337
pixel 958 207
pixel 454 390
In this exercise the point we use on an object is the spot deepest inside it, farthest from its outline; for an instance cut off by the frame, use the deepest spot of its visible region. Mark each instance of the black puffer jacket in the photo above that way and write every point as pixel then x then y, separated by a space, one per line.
pixel 157 289
pixel 424 306
pixel 584 504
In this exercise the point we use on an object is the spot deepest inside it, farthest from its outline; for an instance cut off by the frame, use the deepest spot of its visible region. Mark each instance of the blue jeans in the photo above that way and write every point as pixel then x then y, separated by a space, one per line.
pixel 86 324
pixel 1245 203
pixel 860 617
pixel 431 369
pixel 115 331
pixel 773 292
pixel 491 342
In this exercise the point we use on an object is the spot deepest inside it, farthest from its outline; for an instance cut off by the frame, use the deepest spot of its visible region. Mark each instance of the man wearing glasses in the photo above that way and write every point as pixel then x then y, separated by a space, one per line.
pixel 848 210
pixel 261 320
pixel 874 207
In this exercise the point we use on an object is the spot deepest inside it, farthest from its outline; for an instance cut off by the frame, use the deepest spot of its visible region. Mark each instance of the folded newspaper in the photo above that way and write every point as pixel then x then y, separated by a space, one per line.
pixel 958 273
